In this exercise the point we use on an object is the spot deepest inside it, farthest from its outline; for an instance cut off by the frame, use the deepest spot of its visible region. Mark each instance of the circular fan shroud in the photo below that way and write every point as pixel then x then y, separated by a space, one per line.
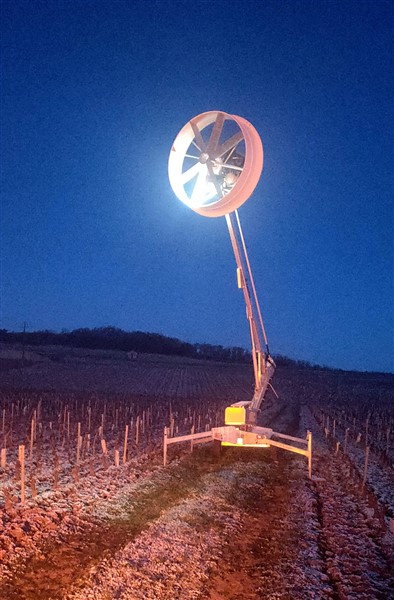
pixel 209 152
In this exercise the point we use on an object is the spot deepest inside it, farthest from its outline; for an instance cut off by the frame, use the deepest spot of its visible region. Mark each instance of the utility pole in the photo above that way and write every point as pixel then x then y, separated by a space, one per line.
pixel 23 343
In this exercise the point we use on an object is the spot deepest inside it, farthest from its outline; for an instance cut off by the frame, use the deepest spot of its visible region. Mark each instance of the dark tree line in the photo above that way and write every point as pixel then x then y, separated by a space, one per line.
pixel 112 338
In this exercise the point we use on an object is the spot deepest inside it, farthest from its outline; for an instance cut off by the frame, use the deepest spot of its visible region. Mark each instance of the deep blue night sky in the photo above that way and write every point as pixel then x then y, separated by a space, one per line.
pixel 93 94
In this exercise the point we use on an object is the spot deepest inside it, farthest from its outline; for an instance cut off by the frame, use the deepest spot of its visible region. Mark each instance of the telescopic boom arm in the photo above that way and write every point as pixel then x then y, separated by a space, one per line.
pixel 263 364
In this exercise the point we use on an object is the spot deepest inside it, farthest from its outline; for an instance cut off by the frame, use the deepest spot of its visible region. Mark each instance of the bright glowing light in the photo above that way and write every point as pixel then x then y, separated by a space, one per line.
pixel 215 163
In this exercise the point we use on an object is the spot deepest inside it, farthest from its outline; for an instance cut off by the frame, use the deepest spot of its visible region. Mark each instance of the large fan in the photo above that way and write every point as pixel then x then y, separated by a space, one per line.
pixel 215 163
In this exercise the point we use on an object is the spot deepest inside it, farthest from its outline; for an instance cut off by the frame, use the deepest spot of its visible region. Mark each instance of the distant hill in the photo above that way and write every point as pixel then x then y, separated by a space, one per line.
pixel 115 339
pixel 112 338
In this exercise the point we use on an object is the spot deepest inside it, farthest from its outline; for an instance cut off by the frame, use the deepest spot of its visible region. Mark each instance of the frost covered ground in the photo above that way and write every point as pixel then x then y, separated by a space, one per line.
pixel 237 526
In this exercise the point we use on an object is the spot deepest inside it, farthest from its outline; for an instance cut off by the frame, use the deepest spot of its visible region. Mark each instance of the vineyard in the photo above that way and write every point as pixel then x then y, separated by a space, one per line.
pixel 89 511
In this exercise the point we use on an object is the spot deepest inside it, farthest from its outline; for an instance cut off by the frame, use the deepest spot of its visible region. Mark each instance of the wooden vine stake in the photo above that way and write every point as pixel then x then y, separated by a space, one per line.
pixel 366 464
pixel 56 473
pixel 165 446
pixel 388 431
pixel 79 439
pixel 35 425
pixel 191 441
pixel 104 449
pixel 33 487
pixel 12 422
pixel 3 458
pixel 116 458
pixel 21 457
pixel 346 438
pixel 137 430
pixel 126 433
pixel 75 473
pixel 367 427
pixel 31 437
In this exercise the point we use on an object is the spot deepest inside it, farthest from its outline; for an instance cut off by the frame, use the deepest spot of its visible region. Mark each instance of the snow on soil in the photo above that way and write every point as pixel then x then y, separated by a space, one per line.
pixel 359 551
pixel 60 513
pixel 241 530
pixel 172 558
pixel 180 553
pixel 380 479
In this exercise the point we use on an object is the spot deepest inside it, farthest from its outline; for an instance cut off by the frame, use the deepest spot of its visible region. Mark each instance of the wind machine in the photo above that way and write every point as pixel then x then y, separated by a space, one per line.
pixel 214 166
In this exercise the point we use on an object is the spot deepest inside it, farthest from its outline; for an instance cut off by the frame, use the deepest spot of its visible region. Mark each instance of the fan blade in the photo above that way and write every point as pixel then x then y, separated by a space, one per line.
pixel 190 173
pixel 200 185
pixel 214 179
pixel 232 167
pixel 233 141
pixel 197 134
pixel 215 136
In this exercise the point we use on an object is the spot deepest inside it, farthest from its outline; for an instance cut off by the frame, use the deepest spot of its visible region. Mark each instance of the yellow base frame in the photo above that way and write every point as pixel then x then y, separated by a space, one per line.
pixel 262 445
